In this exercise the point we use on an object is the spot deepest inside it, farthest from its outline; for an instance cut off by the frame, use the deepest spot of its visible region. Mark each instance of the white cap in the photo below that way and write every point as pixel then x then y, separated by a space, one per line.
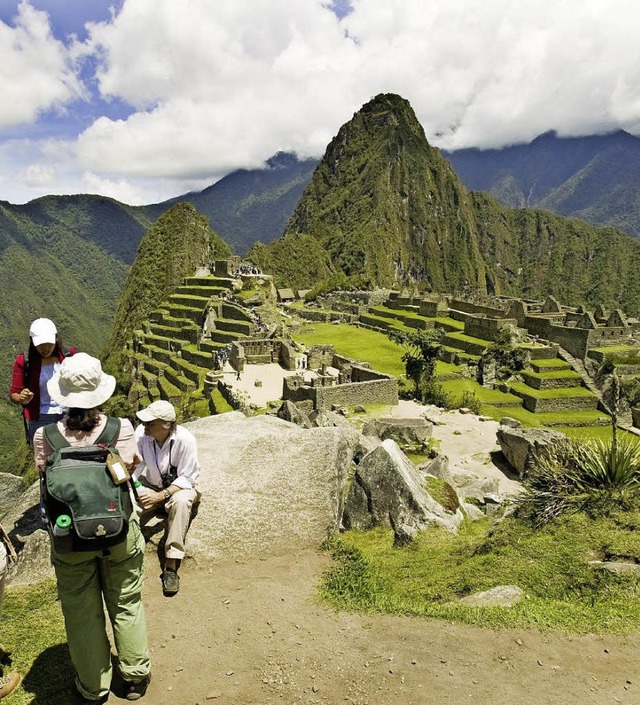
pixel 160 409
pixel 43 331
pixel 80 383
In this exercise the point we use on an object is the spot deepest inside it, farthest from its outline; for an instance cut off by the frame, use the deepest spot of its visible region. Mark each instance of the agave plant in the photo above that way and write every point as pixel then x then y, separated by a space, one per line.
pixel 593 476
pixel 605 465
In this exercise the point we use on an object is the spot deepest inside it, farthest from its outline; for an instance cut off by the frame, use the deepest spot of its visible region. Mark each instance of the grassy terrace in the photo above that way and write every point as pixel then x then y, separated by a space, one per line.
pixel 469 339
pixel 559 393
pixel 555 374
pixel 554 362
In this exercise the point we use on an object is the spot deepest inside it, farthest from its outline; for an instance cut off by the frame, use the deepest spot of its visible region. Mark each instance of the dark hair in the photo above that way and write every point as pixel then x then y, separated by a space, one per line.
pixel 33 351
pixel 83 419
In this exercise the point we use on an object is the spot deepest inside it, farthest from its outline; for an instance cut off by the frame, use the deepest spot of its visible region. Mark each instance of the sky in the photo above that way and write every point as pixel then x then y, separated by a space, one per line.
pixel 143 100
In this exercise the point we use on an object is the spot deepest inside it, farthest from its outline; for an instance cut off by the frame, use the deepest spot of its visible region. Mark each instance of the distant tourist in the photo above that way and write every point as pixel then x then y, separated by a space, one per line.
pixel 168 470
pixel 113 575
pixel 31 372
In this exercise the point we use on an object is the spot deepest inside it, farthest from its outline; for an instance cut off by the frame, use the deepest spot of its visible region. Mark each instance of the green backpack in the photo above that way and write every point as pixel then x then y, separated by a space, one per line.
pixel 77 485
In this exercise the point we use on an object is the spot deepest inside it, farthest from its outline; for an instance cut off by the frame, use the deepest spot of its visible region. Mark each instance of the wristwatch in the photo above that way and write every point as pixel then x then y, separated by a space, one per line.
pixel 166 493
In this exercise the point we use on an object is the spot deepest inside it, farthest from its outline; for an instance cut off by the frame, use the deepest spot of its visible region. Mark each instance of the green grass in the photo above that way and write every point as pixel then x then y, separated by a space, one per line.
pixel 456 388
pixel 427 577
pixel 558 393
pixel 220 404
pixel 469 339
pixel 558 419
pixel 555 374
pixel 33 630
pixel 446 321
pixel 358 343
pixel 553 362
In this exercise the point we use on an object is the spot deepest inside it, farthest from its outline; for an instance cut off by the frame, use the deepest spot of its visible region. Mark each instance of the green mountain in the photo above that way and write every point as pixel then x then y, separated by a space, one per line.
pixel 173 247
pixel 47 269
pixel 384 205
pixel 595 178
pixel 252 204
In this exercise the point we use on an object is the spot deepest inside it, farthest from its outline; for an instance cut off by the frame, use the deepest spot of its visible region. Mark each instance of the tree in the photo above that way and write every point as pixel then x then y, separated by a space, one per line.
pixel 422 350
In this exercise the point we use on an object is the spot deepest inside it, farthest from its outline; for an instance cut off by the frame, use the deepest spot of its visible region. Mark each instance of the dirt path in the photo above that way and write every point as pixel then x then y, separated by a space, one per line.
pixel 252 632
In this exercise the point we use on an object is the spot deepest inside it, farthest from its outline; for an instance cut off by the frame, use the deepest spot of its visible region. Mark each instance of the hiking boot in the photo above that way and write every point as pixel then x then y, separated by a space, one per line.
pixel 8 683
pixel 170 581
pixel 135 691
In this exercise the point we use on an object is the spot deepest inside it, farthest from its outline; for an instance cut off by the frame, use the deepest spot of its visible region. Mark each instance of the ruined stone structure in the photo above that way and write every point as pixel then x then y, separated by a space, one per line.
pixel 355 383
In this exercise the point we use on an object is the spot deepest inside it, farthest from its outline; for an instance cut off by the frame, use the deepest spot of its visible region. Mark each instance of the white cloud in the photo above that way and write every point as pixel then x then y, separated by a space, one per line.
pixel 222 85
pixel 36 73
pixel 39 176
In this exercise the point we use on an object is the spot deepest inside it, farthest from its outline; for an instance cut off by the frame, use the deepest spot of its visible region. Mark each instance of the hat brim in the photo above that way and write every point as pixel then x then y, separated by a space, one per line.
pixel 85 399
pixel 144 415
pixel 42 339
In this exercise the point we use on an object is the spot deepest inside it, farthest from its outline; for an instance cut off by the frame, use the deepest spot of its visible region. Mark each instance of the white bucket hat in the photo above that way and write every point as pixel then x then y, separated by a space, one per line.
pixel 43 331
pixel 161 409
pixel 80 383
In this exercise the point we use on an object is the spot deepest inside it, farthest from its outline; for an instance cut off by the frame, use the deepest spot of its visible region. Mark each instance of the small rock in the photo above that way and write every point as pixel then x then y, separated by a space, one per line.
pixel 214 694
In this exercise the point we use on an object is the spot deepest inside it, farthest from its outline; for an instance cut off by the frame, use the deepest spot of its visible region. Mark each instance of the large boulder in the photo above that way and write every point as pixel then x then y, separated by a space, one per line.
pixel 386 491
pixel 268 486
pixel 12 487
pixel 290 412
pixel 404 432
pixel 522 446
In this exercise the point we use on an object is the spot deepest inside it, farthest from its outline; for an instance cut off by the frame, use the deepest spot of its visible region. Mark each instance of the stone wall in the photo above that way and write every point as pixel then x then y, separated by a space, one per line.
pixel 486 328
pixel 477 309
pixel 320 355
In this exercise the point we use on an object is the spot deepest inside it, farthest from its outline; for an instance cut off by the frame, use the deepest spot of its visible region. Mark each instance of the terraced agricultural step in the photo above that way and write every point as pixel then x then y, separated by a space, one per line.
pixel 175 376
pixel 236 312
pixel 158 314
pixel 474 346
pixel 242 327
pixel 187 334
pixel 555 400
pixel 169 392
pixel 540 352
pixel 211 346
pixel 200 358
pixel 449 324
pixel 196 315
pixel 202 291
pixel 188 300
pixel 224 337
pixel 157 354
pixel 383 324
pixel 549 365
pixel 555 379
pixel 193 372
pixel 159 341
pixel 209 281
pixel 410 318
pixel 149 380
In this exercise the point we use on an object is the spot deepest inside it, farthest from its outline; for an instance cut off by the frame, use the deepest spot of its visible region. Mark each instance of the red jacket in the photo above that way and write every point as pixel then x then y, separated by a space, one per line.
pixel 31 380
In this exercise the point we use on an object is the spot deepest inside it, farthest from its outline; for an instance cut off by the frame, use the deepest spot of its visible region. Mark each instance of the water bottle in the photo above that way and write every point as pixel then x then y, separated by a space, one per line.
pixel 62 527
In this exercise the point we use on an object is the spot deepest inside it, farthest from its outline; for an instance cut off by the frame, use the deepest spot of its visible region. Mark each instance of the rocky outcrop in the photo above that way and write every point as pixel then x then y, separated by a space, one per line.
pixel 12 487
pixel 386 491
pixel 403 431
pixel 522 446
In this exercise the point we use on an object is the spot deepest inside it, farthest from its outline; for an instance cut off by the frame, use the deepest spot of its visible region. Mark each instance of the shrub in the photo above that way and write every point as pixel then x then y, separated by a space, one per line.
pixel 470 401
pixel 595 477
pixel 434 393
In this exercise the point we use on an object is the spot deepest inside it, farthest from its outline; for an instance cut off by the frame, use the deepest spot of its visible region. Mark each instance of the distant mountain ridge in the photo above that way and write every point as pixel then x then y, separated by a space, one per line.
pixel 385 205
pixel 595 178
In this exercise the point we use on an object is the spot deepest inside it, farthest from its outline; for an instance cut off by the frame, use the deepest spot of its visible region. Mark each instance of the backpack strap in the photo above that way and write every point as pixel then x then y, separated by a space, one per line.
pixel 54 437
pixel 110 432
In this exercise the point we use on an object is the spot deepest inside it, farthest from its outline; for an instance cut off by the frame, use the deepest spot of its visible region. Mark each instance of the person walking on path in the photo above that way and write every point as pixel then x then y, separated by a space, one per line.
pixel 31 373
pixel 114 575
pixel 168 469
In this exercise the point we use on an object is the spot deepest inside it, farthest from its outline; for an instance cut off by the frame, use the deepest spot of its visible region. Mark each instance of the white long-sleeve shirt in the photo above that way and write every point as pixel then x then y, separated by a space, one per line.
pixel 180 450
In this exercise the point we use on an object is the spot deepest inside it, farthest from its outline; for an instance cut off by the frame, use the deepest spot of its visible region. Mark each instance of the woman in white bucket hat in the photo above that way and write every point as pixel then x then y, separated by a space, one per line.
pixel 86 578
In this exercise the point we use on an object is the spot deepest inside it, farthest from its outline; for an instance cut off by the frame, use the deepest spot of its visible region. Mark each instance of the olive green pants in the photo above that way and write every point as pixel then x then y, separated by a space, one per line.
pixel 86 578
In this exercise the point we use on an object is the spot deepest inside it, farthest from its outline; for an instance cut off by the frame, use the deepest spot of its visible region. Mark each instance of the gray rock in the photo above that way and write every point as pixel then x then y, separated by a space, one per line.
pixel 12 487
pixel 509 422
pixel 386 491
pixel 500 596
pixel 438 467
pixel 290 412
pixel 522 446
pixel 402 431
pixel 268 486
pixel 472 511
pixel 467 484
pixel 617 567
pixel 323 418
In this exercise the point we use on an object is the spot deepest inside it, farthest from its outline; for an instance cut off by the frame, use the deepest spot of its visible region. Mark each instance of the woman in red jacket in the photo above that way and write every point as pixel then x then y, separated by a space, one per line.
pixel 32 371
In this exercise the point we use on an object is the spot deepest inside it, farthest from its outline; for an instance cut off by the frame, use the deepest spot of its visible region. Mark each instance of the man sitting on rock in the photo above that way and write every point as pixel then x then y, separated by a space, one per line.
pixel 168 471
